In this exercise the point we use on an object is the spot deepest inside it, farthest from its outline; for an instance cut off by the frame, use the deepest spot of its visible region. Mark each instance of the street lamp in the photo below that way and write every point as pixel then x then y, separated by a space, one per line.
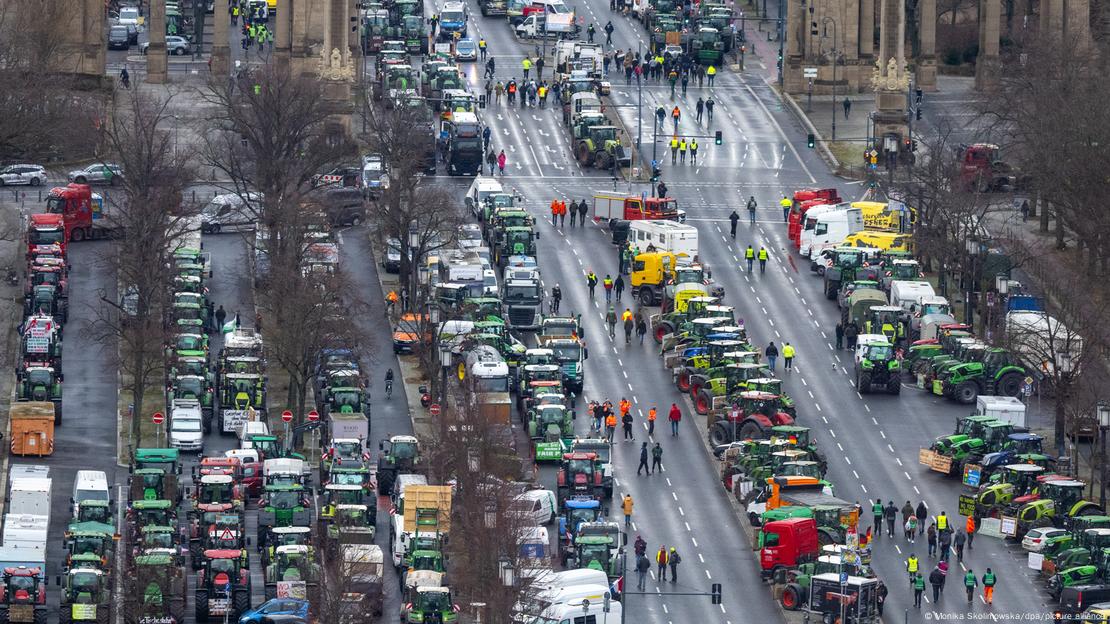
pixel 1103 411
pixel 824 22
pixel 506 571
pixel 491 516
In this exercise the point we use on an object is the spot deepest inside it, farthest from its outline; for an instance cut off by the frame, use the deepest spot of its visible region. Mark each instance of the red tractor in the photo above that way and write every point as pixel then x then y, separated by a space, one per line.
pixel 804 199
pixel 751 417
pixel 983 171
pixel 223 586
pixel 23 590
pixel 579 476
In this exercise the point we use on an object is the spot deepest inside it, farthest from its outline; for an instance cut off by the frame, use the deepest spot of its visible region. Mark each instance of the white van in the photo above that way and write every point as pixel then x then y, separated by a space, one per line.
pixel 570 578
pixel 230 213
pixel 90 485
pixel 830 229
pixel 677 238
pixel 584 611
pixel 481 188
pixel 543 600
pixel 909 294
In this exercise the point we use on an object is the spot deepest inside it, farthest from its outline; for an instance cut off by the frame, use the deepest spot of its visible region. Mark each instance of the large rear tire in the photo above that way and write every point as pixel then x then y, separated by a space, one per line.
pixel 646 297
pixel 201 600
pixel 863 383
pixel 792 597
pixel 966 392
pixel 894 386
pixel 751 429
pixel 703 402
pixel 719 434
pixel 1009 385
pixel 241 602
pixel 682 381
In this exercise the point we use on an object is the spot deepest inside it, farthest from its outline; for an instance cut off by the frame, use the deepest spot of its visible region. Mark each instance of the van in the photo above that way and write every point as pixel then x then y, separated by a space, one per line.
pixel 830 229
pixel 570 578
pixel 584 611
pixel 545 599
pixel 886 241
pixel 230 213
pixel 1076 598
pixel 90 485
pixel 344 206
pixel 481 188
pixel 910 294
pixel 119 37
pixel 677 238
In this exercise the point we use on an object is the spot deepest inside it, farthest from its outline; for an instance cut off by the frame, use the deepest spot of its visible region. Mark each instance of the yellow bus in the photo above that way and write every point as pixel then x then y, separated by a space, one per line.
pixel 886 241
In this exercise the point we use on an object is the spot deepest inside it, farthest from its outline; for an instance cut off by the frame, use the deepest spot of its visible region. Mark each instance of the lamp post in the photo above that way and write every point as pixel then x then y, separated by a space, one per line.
pixel 1103 411
pixel 974 248
pixel 824 22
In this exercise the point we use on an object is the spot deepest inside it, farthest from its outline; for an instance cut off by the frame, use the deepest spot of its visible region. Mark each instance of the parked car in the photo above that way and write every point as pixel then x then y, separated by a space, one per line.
pixel 407 331
pixel 284 610
pixel 99 173
pixel 391 259
pixel 119 38
pixel 344 206
pixel 32 175
pixel 466 50
pixel 175 45
pixel 1036 539
pixel 229 213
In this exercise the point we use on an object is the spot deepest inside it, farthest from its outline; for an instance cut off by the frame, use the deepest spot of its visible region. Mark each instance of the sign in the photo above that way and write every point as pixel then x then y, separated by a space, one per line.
pixel 287 416
pixel 1008 526
pixel 292 589
pixel 809 72
pixel 158 418
pixel 934 461
pixel 990 526
pixel 967 505
pixel 313 416
pixel 1027 389
pixel 973 474
pixel 843 578
pixel 83 612
pixel 674 37
pixel 443 48
pixel 434 409
pixel 1036 561
pixel 549 451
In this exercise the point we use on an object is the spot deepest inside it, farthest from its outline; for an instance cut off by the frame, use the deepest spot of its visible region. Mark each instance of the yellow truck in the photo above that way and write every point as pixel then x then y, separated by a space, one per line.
pixel 879 217
pixel 886 241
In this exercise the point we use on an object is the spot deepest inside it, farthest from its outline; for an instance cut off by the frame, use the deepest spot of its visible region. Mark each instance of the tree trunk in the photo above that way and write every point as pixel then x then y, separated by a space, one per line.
pixel 1060 231
pixel 1044 218
pixel 1061 420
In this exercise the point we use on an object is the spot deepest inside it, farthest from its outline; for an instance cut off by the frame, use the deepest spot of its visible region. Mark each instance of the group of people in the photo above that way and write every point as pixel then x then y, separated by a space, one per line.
pixel 847 332
pixel 605 419
pixel 677 69
pixel 531 93
pixel 560 210
pixel 254 28
pixel 664 558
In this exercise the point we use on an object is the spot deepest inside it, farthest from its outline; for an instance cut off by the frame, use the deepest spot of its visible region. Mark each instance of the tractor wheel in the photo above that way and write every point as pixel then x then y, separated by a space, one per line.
pixel 894 386
pixel 647 298
pixel 791 597
pixel 385 483
pixel 103 613
pixel 751 430
pixel 177 606
pixel 696 384
pixel 583 154
pixel 1009 385
pixel 241 602
pixel 603 161
pixel 824 538
pixel 703 402
pixel 39 616
pixel 65 616
pixel 201 601
pixel 683 381
pixel 830 290
pixel 863 383
pixel 662 329
pixel 966 392
pixel 719 434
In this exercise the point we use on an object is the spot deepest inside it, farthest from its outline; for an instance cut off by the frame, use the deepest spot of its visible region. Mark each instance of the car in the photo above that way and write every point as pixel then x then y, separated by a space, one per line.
pixel 230 213
pixel 343 206
pixel 391 259
pixel 175 45
pixel 283 610
pixel 128 16
pixel 406 333
pixel 187 432
pixel 99 173
pixel 32 175
pixel 119 37
pixel 1036 539
pixel 466 50
pixel 375 175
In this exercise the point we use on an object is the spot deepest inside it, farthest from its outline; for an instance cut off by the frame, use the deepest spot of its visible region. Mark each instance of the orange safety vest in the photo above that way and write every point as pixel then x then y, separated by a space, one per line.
pixel 625 406
pixel 611 420
pixel 970 525
pixel 554 206
pixel 651 414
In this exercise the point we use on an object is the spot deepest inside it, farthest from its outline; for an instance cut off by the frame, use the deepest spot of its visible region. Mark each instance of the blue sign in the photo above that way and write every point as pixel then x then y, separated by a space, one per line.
pixel 843 578
pixel 973 475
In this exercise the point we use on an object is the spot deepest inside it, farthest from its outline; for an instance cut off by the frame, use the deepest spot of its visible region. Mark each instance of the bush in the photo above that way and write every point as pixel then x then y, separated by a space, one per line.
pixel 971 53
pixel 952 57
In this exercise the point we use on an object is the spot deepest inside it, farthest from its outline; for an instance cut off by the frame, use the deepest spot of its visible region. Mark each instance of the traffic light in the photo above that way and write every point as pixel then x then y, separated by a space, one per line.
pixel 655 172
pixel 917 95
pixel 811 140
pixel 917 113
pixel 717 138
pixel 913 145
pixel 715 593
pixel 813 28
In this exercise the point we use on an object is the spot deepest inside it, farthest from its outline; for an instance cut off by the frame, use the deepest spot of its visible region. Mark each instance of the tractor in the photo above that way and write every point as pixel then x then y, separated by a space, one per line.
pixel 46 299
pixel 398 455
pixel 996 374
pixel 579 476
pixel 603 452
pixel 1014 482
pixel 879 367
pixel 715 353
pixel 223 585
pixel 576 511
pixel 663 324
pixel 41 383
pixel 291 564
pixel 283 505
pixel 429 604
pixel 602 148
pixel 733 379
pixel 216 493
pixel 214 530
pixel 548 427
pixel 1059 501
pixel 843 268
pixel 23 595
pixel 86 595
pixel 890 321
pixel 754 416
pixel 159 590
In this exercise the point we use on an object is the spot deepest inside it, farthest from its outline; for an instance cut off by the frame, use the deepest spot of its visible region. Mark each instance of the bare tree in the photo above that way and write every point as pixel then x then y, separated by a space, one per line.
pixel 150 219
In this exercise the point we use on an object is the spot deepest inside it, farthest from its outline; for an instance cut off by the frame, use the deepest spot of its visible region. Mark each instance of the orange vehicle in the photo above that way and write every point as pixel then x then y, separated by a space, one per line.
pixel 32 428
pixel 406 333
pixel 804 199
pixel 611 206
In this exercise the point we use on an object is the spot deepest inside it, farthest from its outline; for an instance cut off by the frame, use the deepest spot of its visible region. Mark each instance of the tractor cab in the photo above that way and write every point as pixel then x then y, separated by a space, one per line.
pixel 153 484
pixel 738 375
pixel 276 537
pixel 158 539
pixel 290 563
pixel 152 512
pixel 217 493
pixel 889 321
pixel 576 511
pixel 579 476
pixel 90 547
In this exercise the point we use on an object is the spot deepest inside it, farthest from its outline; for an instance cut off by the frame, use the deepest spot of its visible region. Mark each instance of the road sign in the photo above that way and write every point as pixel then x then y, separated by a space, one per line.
pixel 158 418
pixel 313 416
pixel 287 416
pixel 809 72
pixel 843 578
pixel 434 409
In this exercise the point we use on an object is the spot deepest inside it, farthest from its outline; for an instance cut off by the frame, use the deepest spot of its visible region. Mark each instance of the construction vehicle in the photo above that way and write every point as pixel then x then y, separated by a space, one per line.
pixel 83 213
pixel 86 595
pixel 292 564
pixel 879 367
pixel 982 171
pixel 398 455
pixel 579 476
pixel 223 586
pixel 158 592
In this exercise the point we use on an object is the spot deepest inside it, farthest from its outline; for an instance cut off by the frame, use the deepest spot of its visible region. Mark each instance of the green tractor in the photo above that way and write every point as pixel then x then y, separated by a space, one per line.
pixel 715 353
pixel 196 388
pixel 86 595
pixel 664 324
pixel 996 374
pixel 1079 575
pixel 845 261
pixel 675 347
pixel 733 380
pixel 602 148
pixel 90 544
pixel 707 46
pixel 41 383
pixel 282 505
pixel 429 604
pixel 890 321
pixel 1013 481
pixel 550 427
pixel 159 590
pixel 291 564
pixel 1059 500
pixel 966 428
pixel 514 241
pixel 879 367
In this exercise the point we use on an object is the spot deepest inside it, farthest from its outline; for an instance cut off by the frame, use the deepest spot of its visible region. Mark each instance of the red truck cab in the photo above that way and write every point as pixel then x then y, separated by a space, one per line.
pixel 804 199
pixel 787 543
pixel 46 236
pixel 81 210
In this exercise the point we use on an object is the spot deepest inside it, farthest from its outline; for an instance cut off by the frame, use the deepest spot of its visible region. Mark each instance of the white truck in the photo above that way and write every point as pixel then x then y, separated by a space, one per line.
pixel 26 531
pixel 1006 408
pixel 1042 342
pixel 909 294
pixel 29 496
pixel 555 26
pixel 830 229
pixel 678 238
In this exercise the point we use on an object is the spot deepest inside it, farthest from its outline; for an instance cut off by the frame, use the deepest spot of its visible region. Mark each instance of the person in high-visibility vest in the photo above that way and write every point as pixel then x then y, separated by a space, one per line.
pixel 651 420
pixel 607 284
pixel 989 580
pixel 786 206
pixel 682 151
pixel 788 353
pixel 749 255
pixel 762 260
pixel 694 150
pixel 526 65
pixel 970 531
pixel 912 565
pixel 942 521
pixel 711 73
pixel 626 507
pixel 970 583
pixel 674 149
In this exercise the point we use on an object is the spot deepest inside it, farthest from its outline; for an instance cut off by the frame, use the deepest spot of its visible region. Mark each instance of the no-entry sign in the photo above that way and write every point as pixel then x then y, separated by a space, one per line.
pixel 314 416
pixel 434 409
pixel 158 418
pixel 287 416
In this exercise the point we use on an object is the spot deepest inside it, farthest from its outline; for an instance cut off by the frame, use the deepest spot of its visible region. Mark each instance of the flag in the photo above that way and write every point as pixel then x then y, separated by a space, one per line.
pixel 228 327
pixel 617 587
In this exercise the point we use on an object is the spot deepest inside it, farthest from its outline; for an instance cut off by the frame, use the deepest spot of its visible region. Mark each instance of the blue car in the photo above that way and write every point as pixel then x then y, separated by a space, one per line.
pixel 277 611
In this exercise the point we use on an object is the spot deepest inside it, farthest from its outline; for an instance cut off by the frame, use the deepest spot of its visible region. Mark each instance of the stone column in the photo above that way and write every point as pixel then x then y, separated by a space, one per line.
pixel 156 59
pixel 94 53
pixel 893 81
pixel 867 31
pixel 221 53
pixel 1077 20
pixel 796 33
pixel 282 34
pixel 987 64
pixel 927 31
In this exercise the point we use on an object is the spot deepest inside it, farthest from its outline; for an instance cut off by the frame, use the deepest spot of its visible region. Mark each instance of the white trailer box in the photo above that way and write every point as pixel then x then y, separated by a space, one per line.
pixel 1042 342
pixel 909 294
pixel 809 226
pixel 677 238
pixel 28 470
pixel 15 556
pixel 29 495
pixel 1005 408
pixel 25 531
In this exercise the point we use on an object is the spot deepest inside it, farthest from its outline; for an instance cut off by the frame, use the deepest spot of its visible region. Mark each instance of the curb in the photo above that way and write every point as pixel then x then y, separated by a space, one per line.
pixel 823 148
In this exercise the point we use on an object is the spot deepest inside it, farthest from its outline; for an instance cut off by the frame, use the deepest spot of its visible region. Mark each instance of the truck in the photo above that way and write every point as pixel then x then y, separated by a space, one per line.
pixel 787 543
pixel 32 428
pixel 983 171
pixel 419 509
pixel 570 355
pixel 489 375
pixel 464 155
pixel 523 302
pixel 45 234
pixel 664 236
pixel 351 426
pixel 611 207
pixel 830 229
pixel 553 25
pixel 83 213
pixel 909 295
pixel 572 56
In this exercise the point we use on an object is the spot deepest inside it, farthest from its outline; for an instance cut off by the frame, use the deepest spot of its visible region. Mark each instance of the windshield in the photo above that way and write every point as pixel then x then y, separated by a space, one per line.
pixel 593 552
pixel 284 499
pixel 522 292
pixel 158 540
pixel 581 466
pixel 879 352
pixel 474 143
pixel 86 545
pixel 491 384
pixel 403 450
pixel 346 401
pixel 452 16
pixel 568 352
pixel 581 515
pixel 40 377
pixel 188 388
pixel 47 237
pixel 436 601
pixel 348 478
pixel 186 424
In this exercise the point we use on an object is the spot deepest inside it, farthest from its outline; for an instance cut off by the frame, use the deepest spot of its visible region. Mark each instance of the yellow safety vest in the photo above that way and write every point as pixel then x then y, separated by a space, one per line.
pixel 762 254
pixel 788 351
pixel 627 316
pixel 674 143
pixel 785 203
pixel 911 564
pixel 750 253
pixel 526 64
pixel 694 146
pixel 942 522
pixel 682 145
pixel 711 71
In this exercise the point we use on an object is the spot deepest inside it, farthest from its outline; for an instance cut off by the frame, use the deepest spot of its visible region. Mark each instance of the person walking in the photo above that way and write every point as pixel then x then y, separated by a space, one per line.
pixel 607 284
pixel 221 316
pixel 912 565
pixel 599 415
pixel 626 507
pixel 958 541
pixel 890 513
pixel 749 255
pixel 642 568
pixel 501 162
pixel 907 511
pixel 626 420
pixel 910 528
pixel 931 536
pixel 970 526
pixel 526 65
pixel 656 457
pixel 762 260
pixel 629 325
pixel 672 77
pixel 618 286
pixel 751 210
pixel 643 460
pixel 847 107
pixel 786 206
pixel 877 518
pixel 641 330
pixel 610 425
pixel 942 522
pixel 582 208
pixel 694 151
pixel 661 561
pixel 611 321
pixel 556 297
pixel 609 33
pixel 711 73
pixel 989 579
pixel 922 513
pixel 733 219
pixel 788 353
pixel 772 354
pixel 970 583
pixel 591 282
pixel 554 213
pixel 573 209
pixel 936 579
pixel 839 335
pixel 918 588
pixel 709 110
pixel 943 567
pixel 674 149
pixel 851 331
pixel 491 160
pixel 590 30
pixel 945 543
pixel 699 107
pixel 660 116
pixel 676 116
pixel 675 417
pixel 652 414
pixel 673 559
pixel 682 151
